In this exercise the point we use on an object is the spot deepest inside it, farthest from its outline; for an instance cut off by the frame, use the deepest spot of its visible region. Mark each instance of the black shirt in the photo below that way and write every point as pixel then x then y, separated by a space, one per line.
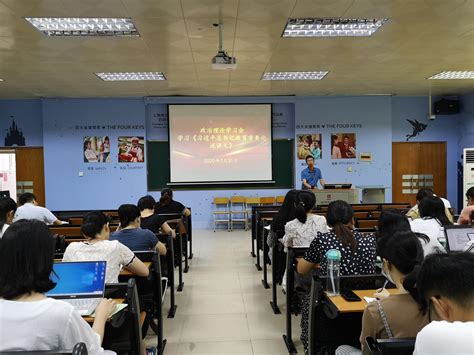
pixel 152 223
pixel 173 207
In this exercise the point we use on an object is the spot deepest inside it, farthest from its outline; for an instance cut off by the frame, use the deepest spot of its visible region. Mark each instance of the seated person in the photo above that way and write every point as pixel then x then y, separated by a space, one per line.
pixel 358 252
pixel 431 224
pixel 149 220
pixel 29 320
pixel 401 253
pixel 29 209
pixel 95 229
pixel 301 231
pixel 7 212
pixel 391 221
pixel 414 213
pixel 131 235
pixel 446 285
pixel 466 214
pixel 167 205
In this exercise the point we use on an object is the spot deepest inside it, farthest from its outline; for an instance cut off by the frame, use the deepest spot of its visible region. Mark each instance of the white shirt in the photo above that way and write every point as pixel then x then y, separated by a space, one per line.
pixel 30 211
pixel 433 230
pixel 4 228
pixel 443 338
pixel 114 253
pixel 298 234
pixel 91 156
pixel 44 325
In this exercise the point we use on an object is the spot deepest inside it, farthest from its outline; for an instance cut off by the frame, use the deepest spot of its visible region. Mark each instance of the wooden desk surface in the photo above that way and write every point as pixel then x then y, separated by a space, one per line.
pixel 90 319
pixel 126 272
pixel 344 306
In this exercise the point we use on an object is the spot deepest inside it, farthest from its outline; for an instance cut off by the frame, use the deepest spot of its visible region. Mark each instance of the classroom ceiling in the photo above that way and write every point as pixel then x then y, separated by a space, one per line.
pixel 422 38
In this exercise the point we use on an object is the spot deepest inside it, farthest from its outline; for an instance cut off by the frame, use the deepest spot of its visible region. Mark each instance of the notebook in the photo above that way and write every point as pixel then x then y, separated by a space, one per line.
pixel 81 284
pixel 457 237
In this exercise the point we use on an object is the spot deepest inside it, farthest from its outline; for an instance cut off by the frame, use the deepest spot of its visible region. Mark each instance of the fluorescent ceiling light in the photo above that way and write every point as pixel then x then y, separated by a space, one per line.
pixel 84 26
pixel 447 75
pixel 331 27
pixel 1 79
pixel 294 75
pixel 137 76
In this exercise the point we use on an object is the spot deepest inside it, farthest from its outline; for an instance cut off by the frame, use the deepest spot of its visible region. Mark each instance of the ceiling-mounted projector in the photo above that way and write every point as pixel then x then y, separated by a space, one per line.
pixel 222 61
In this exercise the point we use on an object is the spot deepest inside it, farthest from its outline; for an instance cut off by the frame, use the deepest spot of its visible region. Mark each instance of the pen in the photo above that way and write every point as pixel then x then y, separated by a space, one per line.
pixel 383 287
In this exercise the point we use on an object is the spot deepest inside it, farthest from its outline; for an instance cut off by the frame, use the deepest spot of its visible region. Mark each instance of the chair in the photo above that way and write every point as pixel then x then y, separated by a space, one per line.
pixel 238 212
pixel 265 201
pixel 78 349
pixel 402 346
pixel 249 202
pixel 279 200
pixel 221 212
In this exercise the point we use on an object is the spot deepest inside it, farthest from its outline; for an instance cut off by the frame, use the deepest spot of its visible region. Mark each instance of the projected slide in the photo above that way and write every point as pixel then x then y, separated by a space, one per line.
pixel 220 143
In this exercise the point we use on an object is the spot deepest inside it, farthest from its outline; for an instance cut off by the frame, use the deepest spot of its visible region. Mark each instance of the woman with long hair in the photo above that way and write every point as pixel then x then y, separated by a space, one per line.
pixel 7 213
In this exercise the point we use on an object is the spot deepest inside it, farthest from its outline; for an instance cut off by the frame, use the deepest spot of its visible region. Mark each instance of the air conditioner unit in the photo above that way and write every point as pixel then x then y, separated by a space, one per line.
pixel 468 171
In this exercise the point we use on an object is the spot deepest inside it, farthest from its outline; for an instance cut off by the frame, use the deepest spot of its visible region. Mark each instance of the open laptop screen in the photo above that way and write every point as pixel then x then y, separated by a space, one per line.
pixel 458 236
pixel 78 279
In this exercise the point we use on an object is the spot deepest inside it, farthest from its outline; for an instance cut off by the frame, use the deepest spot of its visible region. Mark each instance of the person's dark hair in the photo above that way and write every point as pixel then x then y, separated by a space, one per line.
pixel 308 157
pixel 339 215
pixel 422 193
pixel 25 198
pixel 7 204
pixel 92 224
pixel 286 212
pixel 166 197
pixel 433 206
pixel 391 221
pixel 106 138
pixel 447 275
pixel 333 138
pixel 470 192
pixel 146 202
pixel 304 203
pixel 127 214
pixel 86 143
pixel 403 249
pixel 27 254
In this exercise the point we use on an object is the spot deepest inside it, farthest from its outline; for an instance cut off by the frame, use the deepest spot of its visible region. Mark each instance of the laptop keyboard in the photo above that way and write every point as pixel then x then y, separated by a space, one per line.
pixel 84 306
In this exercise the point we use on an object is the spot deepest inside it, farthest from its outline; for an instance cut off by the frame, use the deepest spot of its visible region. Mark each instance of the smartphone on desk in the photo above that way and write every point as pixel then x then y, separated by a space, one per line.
pixel 350 296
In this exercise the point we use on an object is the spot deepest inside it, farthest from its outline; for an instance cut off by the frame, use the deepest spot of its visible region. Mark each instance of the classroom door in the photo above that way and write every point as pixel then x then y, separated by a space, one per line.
pixel 416 165
pixel 30 172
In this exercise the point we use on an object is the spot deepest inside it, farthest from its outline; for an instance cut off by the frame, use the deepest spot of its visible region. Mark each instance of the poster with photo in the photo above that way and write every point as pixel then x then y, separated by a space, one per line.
pixel 96 149
pixel 343 146
pixel 131 149
pixel 309 144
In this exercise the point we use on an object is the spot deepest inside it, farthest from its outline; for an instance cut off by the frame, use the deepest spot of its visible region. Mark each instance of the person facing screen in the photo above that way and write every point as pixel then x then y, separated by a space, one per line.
pixel 29 320
pixel 311 175
pixel 446 285
pixel 7 213
pixel 149 220
pixel 167 205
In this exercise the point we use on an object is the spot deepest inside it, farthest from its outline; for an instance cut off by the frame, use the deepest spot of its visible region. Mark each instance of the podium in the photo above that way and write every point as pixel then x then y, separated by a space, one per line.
pixel 372 193
pixel 326 196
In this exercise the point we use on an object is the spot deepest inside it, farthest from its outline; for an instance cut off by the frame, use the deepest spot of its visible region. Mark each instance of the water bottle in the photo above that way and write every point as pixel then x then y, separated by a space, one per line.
pixel 333 257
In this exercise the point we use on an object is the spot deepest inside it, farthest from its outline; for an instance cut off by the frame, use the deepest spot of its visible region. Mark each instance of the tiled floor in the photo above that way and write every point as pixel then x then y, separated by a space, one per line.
pixel 224 308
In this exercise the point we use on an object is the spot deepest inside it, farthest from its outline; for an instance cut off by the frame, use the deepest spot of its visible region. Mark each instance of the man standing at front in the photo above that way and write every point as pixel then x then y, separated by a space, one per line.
pixel 311 175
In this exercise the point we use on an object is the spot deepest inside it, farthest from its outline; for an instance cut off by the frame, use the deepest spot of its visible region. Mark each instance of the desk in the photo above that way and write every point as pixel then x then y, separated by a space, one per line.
pixel 372 193
pixel 344 306
pixel 326 196
pixel 90 319
pixel 126 272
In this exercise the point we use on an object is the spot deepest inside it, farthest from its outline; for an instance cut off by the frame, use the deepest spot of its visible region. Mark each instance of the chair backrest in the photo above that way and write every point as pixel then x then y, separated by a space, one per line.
pixel 249 201
pixel 78 349
pixel 402 346
pixel 267 200
pixel 280 199
pixel 366 223
pixel 237 199
pixel 220 201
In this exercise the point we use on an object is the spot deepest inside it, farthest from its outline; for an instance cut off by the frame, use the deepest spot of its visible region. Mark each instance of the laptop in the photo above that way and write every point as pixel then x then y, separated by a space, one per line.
pixel 458 236
pixel 80 284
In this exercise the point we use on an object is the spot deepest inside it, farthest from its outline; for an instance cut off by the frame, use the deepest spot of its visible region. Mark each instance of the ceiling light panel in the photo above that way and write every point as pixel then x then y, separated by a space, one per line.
pixel 132 76
pixel 294 75
pixel 84 26
pixel 450 75
pixel 331 27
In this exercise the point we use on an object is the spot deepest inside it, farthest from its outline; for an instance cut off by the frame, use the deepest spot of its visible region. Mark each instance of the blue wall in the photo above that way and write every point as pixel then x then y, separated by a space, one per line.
pixel 378 121
pixel 104 185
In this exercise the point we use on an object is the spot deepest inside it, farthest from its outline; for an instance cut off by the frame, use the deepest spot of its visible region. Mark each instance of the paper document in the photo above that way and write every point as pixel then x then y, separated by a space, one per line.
pixel 118 308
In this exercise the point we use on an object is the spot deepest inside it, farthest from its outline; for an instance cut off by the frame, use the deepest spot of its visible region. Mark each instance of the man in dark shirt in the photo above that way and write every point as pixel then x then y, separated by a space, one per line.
pixel 149 220
pixel 131 235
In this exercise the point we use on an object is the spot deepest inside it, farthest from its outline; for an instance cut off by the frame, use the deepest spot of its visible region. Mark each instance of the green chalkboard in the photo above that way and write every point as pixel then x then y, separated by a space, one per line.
pixel 282 163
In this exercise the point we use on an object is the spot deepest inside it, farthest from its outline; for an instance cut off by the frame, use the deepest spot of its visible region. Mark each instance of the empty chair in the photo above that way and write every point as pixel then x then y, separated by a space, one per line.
pixel 280 199
pixel 267 201
pixel 221 212
pixel 238 212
